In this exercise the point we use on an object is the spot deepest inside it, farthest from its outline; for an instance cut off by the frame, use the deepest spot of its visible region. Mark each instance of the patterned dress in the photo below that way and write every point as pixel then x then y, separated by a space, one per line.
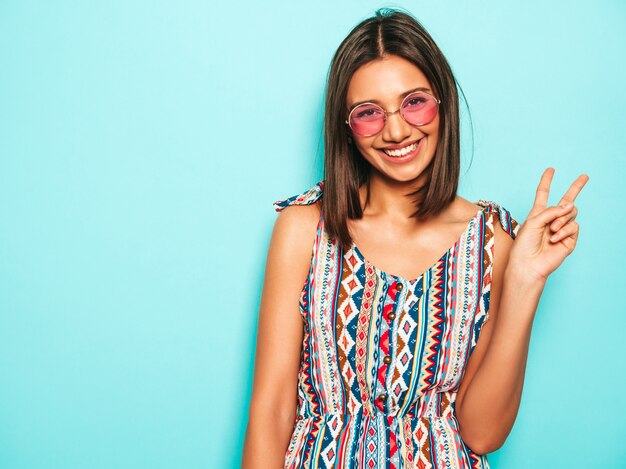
pixel 383 356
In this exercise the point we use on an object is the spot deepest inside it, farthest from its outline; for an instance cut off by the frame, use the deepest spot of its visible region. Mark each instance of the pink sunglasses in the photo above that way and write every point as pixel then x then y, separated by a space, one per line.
pixel 418 108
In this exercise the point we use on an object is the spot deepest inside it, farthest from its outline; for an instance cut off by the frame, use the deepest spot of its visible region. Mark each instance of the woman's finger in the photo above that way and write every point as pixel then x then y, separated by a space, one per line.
pixel 574 189
pixel 570 229
pixel 559 222
pixel 543 191
pixel 548 215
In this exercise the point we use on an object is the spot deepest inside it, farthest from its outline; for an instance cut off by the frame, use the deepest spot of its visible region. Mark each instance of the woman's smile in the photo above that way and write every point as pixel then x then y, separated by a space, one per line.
pixel 402 154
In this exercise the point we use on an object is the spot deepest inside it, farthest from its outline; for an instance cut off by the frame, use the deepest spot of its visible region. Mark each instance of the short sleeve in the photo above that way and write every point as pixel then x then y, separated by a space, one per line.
pixel 493 213
pixel 307 197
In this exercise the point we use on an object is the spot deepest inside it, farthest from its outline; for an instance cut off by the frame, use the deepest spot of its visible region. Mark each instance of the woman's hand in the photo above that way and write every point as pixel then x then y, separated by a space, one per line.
pixel 549 234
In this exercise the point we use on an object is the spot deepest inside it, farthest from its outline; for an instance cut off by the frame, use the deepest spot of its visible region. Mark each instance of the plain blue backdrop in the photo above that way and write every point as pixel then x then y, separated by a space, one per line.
pixel 141 147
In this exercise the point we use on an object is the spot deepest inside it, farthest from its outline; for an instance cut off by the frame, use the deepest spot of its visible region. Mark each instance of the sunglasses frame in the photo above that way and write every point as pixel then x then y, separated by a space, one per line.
pixel 389 113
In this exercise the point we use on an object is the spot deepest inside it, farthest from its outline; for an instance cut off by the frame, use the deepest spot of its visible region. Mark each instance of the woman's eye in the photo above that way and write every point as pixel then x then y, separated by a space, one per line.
pixel 417 101
pixel 367 113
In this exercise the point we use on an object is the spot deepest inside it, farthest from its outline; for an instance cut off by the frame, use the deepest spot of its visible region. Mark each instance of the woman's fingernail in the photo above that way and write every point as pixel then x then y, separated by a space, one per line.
pixel 554 238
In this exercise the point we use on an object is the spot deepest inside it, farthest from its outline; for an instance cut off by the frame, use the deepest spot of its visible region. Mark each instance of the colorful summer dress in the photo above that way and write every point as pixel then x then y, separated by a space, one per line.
pixel 383 356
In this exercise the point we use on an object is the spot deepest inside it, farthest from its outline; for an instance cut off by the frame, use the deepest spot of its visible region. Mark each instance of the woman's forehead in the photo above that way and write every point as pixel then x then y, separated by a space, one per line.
pixel 387 79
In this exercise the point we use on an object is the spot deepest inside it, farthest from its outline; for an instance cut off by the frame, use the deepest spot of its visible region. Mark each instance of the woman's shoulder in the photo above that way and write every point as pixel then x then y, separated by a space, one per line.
pixel 307 197
pixel 296 228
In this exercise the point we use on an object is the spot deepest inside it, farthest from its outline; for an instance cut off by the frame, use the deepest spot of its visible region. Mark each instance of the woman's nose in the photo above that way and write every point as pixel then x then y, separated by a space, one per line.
pixel 396 128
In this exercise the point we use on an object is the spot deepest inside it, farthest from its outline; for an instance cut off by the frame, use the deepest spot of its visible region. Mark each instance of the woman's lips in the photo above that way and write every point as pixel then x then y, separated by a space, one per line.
pixel 405 158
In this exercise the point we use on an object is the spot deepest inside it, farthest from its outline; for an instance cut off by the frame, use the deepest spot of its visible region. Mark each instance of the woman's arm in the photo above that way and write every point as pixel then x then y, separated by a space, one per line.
pixel 490 392
pixel 271 415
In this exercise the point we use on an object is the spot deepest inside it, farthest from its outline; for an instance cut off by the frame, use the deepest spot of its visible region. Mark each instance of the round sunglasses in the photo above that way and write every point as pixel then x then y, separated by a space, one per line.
pixel 418 108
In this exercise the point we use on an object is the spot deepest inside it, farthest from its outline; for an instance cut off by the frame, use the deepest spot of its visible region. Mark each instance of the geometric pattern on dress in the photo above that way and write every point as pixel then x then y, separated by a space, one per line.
pixel 297 442
pixel 354 317
pixel 372 445
pixel 346 328
pixel 329 448
pixel 392 424
pixel 464 285
pixel 482 313
pixel 383 373
pixel 362 339
pixel 308 398
pixel 403 351
pixel 322 305
pixel 421 438
pixel 306 198
pixel 445 451
pixel 492 210
pixel 435 319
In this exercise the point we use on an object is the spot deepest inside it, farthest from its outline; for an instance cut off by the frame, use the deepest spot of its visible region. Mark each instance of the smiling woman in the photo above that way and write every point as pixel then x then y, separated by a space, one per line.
pixel 378 344
pixel 402 143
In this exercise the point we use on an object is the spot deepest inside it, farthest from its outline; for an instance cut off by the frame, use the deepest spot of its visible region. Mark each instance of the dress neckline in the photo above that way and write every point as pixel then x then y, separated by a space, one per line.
pixel 402 279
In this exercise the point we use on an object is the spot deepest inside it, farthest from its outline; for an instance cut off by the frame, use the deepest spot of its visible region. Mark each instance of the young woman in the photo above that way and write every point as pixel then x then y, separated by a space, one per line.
pixel 396 315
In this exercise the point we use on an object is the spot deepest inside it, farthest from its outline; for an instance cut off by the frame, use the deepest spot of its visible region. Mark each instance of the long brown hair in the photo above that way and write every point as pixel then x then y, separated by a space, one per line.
pixel 388 32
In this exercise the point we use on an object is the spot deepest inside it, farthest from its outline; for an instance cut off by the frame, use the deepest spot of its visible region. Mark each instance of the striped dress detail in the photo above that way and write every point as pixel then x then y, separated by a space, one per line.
pixel 383 356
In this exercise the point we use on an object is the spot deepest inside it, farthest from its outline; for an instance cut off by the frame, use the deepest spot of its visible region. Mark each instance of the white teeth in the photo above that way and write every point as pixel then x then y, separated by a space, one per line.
pixel 402 151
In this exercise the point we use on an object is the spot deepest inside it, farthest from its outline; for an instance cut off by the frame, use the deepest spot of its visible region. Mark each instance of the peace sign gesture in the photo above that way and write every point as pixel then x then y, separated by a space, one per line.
pixel 549 234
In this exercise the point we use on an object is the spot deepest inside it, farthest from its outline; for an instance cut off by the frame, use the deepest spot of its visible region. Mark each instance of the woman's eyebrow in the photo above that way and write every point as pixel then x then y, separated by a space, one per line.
pixel 402 96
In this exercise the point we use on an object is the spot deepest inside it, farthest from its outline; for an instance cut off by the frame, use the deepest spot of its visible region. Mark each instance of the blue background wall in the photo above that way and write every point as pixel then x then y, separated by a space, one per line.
pixel 135 212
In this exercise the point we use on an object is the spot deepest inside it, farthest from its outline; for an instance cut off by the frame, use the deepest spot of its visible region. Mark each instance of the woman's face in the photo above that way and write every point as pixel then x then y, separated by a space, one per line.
pixel 386 82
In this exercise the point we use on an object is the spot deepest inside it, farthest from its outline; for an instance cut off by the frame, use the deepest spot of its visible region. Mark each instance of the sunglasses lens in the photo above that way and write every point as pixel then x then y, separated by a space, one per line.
pixel 367 119
pixel 419 108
